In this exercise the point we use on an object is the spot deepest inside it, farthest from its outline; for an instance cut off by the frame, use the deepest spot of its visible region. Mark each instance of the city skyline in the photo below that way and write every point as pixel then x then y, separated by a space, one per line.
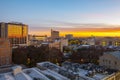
pixel 80 17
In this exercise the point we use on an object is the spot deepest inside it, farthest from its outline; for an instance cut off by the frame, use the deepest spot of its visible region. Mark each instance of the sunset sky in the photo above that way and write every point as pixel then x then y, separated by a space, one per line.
pixel 77 17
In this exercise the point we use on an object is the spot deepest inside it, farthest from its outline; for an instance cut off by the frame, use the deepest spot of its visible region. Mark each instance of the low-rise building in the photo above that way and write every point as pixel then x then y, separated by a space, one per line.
pixel 76 71
pixel 59 44
pixel 110 60
pixel 68 71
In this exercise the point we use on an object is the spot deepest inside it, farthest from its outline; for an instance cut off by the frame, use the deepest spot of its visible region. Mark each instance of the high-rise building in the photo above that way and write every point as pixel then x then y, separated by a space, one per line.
pixel 17 33
pixel 5 52
pixel 54 34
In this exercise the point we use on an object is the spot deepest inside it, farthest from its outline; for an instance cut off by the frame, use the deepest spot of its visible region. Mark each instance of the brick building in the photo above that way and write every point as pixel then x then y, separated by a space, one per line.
pixel 5 52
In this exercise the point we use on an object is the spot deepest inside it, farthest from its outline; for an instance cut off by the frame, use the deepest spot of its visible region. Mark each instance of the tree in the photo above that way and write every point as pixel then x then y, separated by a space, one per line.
pixel 55 55
pixel 31 55
pixel 87 55
pixel 19 56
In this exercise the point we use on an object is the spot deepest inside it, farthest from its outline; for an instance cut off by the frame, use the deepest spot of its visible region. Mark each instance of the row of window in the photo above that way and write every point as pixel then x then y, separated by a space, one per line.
pixel 18 40
pixel 109 61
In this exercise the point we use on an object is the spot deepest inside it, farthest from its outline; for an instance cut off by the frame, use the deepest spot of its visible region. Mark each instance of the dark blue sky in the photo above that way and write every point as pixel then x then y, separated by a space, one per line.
pixel 60 13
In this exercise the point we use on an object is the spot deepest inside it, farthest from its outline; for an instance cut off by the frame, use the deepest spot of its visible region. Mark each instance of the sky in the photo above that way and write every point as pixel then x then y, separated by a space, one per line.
pixel 77 17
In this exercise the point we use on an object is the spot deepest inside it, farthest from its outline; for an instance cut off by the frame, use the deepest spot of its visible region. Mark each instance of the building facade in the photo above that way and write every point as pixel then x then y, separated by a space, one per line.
pixel 17 33
pixel 108 41
pixel 5 52
pixel 54 34
pixel 59 44
pixel 110 60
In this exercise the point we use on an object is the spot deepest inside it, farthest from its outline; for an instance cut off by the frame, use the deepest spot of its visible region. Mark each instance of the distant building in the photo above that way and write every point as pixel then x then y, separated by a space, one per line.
pixel 108 41
pixel 69 36
pixel 36 40
pixel 55 44
pixel 37 37
pixel 59 44
pixel 5 52
pixel 103 41
pixel 91 41
pixel 110 60
pixel 54 34
pixel 17 33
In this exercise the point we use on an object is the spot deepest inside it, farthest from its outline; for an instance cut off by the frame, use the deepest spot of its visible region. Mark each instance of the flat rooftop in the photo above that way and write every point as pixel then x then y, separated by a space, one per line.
pixel 32 74
pixel 83 71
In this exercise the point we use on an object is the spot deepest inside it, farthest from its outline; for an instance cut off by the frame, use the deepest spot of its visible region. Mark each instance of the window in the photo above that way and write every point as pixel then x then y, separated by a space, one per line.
pixel 103 60
pixel 115 63
pixel 106 61
pixel 109 62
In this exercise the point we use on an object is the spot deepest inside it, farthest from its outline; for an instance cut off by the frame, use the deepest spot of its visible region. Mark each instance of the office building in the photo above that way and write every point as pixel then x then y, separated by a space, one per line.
pixel 5 52
pixel 54 34
pixel 17 33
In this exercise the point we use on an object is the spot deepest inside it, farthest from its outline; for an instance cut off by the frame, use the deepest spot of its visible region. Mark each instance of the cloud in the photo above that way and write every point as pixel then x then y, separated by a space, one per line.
pixel 63 24
pixel 70 27
pixel 81 27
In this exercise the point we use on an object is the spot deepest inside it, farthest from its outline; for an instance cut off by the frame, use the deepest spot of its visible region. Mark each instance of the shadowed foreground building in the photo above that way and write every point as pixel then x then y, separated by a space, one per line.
pixel 5 52
pixel 17 33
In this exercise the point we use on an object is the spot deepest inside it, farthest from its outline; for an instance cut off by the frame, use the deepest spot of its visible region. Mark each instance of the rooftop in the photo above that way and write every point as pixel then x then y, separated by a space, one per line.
pixel 50 71
pixel 114 53
pixel 14 23
pixel 31 74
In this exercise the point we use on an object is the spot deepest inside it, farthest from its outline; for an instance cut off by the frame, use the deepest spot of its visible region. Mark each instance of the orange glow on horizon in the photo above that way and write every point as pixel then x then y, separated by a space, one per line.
pixel 83 32
pixel 98 34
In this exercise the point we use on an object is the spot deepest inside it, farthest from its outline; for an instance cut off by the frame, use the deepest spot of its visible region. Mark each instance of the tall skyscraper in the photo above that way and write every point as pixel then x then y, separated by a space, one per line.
pixel 5 52
pixel 17 33
pixel 54 34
